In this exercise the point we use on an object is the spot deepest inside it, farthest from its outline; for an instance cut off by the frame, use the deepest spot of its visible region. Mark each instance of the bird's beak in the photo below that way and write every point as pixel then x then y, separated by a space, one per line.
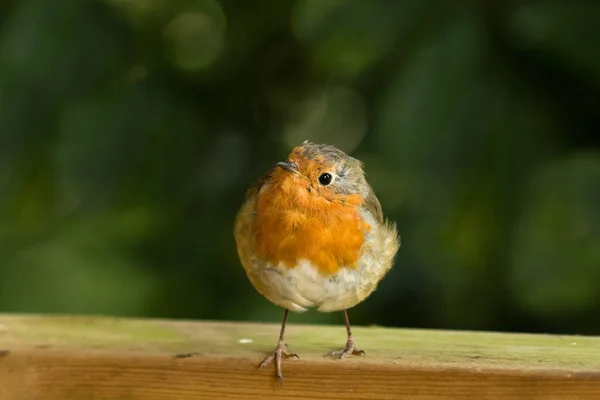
pixel 288 166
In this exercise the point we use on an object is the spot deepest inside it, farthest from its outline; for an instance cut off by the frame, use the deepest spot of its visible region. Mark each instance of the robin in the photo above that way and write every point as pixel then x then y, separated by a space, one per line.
pixel 311 234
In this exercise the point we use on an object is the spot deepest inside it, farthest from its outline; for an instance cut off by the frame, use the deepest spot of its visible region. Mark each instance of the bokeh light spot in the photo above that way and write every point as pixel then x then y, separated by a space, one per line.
pixel 193 40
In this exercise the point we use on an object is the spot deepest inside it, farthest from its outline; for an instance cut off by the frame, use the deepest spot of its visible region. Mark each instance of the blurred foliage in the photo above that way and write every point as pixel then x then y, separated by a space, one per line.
pixel 130 129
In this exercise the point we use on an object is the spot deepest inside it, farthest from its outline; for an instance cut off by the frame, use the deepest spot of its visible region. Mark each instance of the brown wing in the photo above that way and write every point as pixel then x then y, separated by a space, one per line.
pixel 373 206
pixel 243 221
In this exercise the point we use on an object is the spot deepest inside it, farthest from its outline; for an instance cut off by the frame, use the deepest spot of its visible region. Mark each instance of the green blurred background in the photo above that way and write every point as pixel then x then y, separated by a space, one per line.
pixel 130 130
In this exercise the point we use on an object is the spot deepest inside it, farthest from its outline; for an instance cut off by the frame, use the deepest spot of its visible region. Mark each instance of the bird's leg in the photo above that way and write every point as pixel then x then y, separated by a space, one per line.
pixel 280 352
pixel 350 345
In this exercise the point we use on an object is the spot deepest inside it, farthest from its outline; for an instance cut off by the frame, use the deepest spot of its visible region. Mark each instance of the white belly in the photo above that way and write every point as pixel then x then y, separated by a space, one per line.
pixel 303 287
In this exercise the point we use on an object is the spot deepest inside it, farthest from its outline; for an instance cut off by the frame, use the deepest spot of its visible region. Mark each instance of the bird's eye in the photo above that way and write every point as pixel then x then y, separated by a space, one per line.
pixel 325 179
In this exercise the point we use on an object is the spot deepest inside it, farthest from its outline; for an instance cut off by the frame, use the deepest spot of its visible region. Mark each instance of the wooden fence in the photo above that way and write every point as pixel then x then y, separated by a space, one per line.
pixel 88 358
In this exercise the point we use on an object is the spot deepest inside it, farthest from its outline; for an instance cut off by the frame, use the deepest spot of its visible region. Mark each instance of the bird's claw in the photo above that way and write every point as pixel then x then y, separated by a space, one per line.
pixel 346 352
pixel 279 354
pixel 275 356
pixel 350 349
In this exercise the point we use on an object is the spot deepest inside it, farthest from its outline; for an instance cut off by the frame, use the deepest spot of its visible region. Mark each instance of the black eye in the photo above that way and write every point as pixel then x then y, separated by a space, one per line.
pixel 325 179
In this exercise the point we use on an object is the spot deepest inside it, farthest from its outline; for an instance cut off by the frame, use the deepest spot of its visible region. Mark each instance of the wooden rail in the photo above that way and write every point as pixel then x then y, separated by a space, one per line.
pixel 88 358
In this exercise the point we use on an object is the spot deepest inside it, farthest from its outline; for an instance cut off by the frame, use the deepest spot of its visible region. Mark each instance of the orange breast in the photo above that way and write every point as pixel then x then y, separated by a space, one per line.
pixel 293 224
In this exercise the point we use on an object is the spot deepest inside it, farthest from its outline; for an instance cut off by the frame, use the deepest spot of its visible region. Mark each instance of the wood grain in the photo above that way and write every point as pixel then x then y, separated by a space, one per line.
pixel 51 358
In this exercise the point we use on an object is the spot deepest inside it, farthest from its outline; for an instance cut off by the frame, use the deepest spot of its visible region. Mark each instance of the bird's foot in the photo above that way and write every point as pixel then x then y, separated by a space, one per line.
pixel 350 349
pixel 279 354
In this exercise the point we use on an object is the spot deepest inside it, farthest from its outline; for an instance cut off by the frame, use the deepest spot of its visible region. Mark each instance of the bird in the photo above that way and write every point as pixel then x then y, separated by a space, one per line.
pixel 311 234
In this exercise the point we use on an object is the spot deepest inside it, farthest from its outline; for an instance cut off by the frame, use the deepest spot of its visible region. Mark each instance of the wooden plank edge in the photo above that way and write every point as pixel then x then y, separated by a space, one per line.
pixel 52 375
